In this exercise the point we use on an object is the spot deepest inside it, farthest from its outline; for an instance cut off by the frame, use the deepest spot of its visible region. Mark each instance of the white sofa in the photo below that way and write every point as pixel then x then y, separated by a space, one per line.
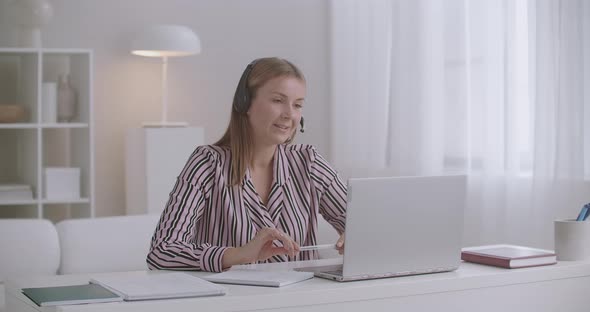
pixel 27 247
pixel 109 244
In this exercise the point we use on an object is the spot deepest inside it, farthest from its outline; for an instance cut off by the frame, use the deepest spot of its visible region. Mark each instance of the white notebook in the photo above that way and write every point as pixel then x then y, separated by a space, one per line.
pixel 158 285
pixel 259 278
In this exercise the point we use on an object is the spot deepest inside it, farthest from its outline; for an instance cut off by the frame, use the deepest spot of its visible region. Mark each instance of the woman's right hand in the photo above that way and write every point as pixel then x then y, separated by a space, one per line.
pixel 261 248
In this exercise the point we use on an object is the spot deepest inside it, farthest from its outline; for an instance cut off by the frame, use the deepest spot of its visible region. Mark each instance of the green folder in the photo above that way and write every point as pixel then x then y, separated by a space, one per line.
pixel 74 294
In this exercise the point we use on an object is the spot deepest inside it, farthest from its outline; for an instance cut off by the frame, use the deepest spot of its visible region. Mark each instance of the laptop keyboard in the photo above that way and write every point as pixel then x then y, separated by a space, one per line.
pixel 336 272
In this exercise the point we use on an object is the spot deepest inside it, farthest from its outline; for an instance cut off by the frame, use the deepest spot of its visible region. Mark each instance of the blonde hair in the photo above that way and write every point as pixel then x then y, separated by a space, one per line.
pixel 238 134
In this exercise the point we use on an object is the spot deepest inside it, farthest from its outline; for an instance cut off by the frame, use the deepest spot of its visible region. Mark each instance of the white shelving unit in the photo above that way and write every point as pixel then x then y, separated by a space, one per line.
pixel 30 146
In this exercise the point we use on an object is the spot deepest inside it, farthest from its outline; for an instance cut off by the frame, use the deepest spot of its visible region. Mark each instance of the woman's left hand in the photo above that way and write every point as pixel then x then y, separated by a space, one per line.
pixel 340 244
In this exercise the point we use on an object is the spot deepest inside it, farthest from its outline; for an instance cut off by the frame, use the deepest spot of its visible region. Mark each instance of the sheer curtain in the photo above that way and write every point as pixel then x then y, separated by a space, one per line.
pixel 494 89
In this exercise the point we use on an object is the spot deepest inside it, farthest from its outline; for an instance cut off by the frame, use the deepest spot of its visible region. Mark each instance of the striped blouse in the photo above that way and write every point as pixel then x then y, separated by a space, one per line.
pixel 205 216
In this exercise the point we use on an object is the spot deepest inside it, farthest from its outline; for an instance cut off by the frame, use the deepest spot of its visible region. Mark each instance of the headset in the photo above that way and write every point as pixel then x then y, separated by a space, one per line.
pixel 242 97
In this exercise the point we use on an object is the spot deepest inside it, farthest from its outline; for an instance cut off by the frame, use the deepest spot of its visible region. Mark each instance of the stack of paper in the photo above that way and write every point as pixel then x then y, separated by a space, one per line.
pixel 259 278
pixel 158 285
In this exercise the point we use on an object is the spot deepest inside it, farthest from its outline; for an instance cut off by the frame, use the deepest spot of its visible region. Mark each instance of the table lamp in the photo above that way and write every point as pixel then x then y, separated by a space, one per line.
pixel 166 41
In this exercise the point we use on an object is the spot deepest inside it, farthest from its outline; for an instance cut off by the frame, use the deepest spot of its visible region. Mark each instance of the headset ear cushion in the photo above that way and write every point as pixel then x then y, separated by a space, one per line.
pixel 242 97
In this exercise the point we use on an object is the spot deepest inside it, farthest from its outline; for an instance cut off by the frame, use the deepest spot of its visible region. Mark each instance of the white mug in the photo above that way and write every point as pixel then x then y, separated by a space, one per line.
pixel 572 240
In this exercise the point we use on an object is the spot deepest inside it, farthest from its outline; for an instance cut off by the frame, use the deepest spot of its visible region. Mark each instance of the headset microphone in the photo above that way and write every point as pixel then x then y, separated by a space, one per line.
pixel 302 123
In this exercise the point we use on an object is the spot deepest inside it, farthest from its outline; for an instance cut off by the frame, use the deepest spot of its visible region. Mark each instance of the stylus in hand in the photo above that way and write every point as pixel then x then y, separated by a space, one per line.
pixel 316 247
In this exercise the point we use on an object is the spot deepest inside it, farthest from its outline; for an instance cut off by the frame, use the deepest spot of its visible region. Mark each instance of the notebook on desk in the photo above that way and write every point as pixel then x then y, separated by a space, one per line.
pixel 399 226
pixel 158 285
pixel 70 294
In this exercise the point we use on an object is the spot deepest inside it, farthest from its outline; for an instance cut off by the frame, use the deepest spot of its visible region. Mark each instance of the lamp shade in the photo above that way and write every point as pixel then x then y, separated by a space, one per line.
pixel 166 41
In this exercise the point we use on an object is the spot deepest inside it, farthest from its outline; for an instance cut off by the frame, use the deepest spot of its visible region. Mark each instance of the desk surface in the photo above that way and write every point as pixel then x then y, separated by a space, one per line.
pixel 319 292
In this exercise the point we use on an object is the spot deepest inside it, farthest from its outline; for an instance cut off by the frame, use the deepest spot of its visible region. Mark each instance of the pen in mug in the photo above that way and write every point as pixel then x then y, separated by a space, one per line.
pixel 316 247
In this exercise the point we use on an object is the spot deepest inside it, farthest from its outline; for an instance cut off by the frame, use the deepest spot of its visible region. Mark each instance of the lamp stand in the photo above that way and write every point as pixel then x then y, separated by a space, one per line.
pixel 164 123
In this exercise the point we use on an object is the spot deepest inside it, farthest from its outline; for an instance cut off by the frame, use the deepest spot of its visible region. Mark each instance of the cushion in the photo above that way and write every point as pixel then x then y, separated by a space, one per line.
pixel 107 244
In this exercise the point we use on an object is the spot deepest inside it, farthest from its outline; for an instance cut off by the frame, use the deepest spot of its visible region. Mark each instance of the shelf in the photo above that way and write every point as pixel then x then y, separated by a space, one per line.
pixel 31 145
pixel 65 51
pixel 65 201
pixel 18 125
pixel 44 50
pixel 18 202
pixel 64 125
pixel 19 50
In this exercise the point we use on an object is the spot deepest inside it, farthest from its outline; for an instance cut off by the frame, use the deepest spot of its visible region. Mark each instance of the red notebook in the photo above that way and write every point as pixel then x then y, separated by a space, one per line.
pixel 508 256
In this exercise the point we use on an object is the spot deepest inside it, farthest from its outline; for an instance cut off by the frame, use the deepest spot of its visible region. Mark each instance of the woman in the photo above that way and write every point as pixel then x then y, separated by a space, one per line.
pixel 251 196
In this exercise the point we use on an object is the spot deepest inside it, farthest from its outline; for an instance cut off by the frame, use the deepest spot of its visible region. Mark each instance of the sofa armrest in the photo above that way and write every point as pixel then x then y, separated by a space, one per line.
pixel 28 247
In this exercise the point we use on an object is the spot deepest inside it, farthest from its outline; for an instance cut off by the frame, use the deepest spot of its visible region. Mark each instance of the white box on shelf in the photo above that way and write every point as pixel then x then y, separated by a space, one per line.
pixel 62 183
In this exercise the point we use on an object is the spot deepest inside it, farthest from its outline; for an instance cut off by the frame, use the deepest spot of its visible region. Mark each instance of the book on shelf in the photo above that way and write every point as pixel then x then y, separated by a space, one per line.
pixel 15 192
pixel 508 256
pixel 259 278
pixel 157 285
pixel 72 294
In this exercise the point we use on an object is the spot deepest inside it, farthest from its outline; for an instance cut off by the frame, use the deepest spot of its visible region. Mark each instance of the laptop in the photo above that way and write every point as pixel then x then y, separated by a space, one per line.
pixel 398 226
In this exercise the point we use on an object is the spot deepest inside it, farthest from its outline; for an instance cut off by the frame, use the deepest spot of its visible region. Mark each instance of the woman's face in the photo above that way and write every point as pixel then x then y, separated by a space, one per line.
pixel 275 111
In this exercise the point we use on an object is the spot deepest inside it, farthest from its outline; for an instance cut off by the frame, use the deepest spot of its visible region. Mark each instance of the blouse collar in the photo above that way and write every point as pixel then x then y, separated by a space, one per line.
pixel 280 167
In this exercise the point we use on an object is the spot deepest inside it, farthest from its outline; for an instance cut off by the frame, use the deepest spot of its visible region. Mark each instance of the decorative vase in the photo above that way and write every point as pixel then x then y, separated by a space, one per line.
pixel 66 100
pixel 29 16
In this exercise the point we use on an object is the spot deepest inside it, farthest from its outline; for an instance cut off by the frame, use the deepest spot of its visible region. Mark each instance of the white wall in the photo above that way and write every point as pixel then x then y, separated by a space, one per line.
pixel 232 33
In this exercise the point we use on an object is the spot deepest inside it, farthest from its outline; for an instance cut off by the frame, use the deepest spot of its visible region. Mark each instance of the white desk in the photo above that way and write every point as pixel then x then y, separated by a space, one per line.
pixel 561 287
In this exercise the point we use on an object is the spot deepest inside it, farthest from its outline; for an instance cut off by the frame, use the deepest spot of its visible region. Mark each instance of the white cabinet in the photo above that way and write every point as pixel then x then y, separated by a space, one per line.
pixel 30 144
pixel 154 158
